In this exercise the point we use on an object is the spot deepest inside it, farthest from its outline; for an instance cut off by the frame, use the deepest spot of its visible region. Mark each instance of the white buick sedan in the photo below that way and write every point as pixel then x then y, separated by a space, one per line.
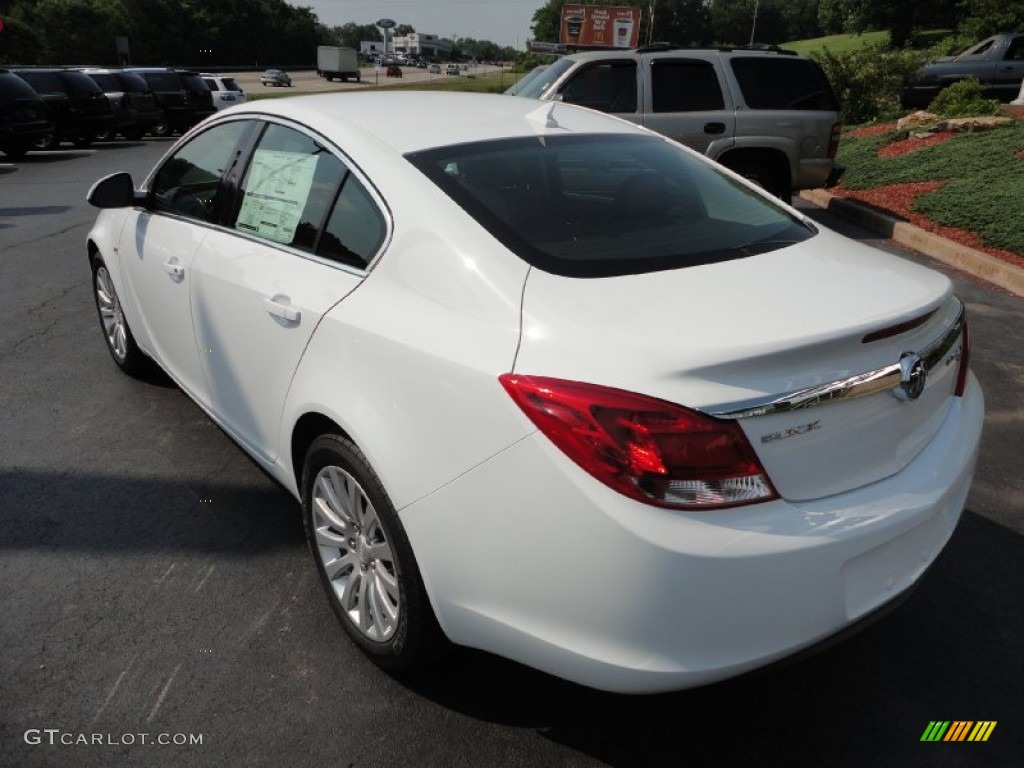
pixel 546 383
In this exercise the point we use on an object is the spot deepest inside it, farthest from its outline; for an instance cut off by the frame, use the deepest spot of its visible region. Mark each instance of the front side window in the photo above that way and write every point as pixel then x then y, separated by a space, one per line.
pixel 189 182
pixel 685 85
pixel 609 87
pixel 604 205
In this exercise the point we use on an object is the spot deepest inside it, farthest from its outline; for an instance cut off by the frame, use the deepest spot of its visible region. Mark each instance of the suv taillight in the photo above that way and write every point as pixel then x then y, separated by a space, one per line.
pixel 647 449
pixel 833 144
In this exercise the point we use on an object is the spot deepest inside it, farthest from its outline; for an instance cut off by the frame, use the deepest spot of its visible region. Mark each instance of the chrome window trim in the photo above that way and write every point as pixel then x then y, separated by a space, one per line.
pixel 841 390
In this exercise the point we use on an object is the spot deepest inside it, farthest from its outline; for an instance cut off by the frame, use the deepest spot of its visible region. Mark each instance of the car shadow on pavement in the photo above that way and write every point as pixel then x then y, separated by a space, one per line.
pixel 952 651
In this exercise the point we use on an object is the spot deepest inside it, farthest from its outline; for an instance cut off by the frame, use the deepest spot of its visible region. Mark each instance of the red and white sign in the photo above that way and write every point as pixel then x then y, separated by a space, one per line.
pixel 600 26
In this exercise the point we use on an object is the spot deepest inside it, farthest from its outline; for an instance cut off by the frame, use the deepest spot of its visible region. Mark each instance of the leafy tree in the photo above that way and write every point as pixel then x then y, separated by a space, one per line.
pixel 352 34
pixel 404 29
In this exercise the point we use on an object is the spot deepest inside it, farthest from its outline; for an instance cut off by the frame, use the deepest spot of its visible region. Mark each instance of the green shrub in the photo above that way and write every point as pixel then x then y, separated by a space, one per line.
pixel 964 99
pixel 868 82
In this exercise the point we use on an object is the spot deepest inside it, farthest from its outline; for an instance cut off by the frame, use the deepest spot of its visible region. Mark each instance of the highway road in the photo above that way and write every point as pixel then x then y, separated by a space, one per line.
pixel 154 583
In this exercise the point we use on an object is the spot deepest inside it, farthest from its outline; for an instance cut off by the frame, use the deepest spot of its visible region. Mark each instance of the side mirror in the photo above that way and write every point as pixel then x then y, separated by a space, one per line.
pixel 115 191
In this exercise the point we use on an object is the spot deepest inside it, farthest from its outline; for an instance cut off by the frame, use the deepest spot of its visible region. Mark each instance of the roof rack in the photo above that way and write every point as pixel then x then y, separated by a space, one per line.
pixel 660 47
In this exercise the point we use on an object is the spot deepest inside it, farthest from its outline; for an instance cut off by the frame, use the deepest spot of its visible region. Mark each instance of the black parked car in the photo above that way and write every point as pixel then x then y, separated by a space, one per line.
pixel 183 95
pixel 75 105
pixel 23 123
pixel 135 107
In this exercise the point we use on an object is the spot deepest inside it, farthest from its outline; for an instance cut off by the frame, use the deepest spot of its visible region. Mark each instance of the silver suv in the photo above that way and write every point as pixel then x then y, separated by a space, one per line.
pixel 769 115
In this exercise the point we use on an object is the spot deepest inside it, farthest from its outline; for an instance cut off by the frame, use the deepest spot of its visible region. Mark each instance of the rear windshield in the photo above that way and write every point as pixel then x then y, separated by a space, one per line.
pixel 132 83
pixel 108 82
pixel 78 84
pixel 229 84
pixel 13 87
pixel 783 83
pixel 600 205
pixel 193 82
pixel 43 82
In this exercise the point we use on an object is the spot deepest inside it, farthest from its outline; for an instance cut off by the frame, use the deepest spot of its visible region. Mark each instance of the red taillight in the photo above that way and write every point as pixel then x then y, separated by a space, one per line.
pixel 965 355
pixel 650 450
pixel 833 145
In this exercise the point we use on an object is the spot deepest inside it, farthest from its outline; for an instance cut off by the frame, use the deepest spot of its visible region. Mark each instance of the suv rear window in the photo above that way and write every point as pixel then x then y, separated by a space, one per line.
pixel 164 81
pixel 598 206
pixel 43 82
pixel 783 83
pixel 13 87
pixel 78 84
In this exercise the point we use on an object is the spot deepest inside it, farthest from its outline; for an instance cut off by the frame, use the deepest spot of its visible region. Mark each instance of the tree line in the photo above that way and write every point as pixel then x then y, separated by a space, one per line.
pixel 206 34
pixel 733 22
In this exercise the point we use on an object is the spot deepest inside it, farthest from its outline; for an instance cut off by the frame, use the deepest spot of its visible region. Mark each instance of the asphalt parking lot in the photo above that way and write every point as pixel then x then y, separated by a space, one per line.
pixel 155 582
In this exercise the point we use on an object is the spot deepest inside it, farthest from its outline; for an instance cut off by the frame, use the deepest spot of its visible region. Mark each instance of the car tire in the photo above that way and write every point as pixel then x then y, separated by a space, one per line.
pixel 364 559
pixel 161 129
pixel 770 178
pixel 116 333
pixel 81 142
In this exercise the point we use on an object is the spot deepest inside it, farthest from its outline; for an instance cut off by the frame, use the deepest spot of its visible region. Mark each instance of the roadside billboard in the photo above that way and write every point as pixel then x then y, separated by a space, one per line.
pixel 597 26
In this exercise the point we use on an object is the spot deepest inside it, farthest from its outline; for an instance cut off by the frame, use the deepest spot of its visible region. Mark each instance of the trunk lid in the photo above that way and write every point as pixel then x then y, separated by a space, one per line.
pixel 723 338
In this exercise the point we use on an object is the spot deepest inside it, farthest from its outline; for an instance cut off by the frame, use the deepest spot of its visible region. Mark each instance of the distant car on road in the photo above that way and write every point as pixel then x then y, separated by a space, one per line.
pixel 275 77
pixel 434 69
pixel 394 71
pixel 452 69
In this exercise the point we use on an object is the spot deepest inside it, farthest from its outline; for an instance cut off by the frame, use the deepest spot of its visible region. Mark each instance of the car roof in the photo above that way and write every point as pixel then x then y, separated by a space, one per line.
pixel 441 118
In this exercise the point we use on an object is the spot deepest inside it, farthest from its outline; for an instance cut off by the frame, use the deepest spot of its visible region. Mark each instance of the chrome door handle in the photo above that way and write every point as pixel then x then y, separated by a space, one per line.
pixel 174 270
pixel 283 311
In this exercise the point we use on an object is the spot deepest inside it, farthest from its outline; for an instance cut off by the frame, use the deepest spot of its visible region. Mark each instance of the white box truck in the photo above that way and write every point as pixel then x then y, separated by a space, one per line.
pixel 333 61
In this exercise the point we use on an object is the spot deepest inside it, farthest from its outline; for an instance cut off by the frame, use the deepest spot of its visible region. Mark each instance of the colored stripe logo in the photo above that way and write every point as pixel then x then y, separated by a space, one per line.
pixel 958 730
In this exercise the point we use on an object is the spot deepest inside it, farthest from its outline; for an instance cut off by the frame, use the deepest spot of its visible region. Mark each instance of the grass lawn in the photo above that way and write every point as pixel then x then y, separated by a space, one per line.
pixel 837 43
pixel 983 175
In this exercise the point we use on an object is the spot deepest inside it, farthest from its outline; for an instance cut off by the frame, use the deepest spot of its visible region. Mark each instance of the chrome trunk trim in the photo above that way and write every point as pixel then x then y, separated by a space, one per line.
pixel 861 385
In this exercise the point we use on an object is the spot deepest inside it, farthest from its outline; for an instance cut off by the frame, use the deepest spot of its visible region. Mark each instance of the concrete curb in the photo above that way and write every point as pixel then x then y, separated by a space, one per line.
pixel 970 260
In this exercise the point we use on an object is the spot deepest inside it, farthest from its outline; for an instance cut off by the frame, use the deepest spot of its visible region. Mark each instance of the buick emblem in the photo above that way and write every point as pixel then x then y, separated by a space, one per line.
pixel 913 375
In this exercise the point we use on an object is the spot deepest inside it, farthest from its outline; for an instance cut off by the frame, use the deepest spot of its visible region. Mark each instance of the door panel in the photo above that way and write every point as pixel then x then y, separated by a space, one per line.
pixel 156 259
pixel 255 307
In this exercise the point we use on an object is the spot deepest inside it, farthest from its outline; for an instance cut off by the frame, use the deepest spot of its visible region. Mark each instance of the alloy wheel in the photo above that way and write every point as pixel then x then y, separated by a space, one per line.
pixel 355 554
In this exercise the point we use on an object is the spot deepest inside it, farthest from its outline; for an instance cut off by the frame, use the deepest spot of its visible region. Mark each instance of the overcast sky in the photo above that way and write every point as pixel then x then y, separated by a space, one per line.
pixel 505 22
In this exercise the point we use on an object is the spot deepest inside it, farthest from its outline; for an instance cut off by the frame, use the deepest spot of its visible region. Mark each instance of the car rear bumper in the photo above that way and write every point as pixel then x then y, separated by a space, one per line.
pixel 529 557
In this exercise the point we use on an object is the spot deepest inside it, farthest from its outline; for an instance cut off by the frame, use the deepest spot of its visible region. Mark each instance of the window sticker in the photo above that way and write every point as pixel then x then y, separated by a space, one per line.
pixel 276 194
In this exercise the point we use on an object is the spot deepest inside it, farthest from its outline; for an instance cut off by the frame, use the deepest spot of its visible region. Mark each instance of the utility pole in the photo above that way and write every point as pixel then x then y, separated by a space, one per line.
pixel 753 27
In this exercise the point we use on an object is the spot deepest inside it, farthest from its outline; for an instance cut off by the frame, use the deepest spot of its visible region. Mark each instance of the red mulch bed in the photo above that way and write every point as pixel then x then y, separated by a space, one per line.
pixel 897 148
pixel 898 199
pixel 871 130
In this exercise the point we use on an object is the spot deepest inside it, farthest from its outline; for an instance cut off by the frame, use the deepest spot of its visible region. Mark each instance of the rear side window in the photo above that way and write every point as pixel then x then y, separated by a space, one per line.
pixel 229 84
pixel 598 206
pixel 768 82
pixel 132 83
pixel 685 85
pixel 298 193
pixel 609 87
